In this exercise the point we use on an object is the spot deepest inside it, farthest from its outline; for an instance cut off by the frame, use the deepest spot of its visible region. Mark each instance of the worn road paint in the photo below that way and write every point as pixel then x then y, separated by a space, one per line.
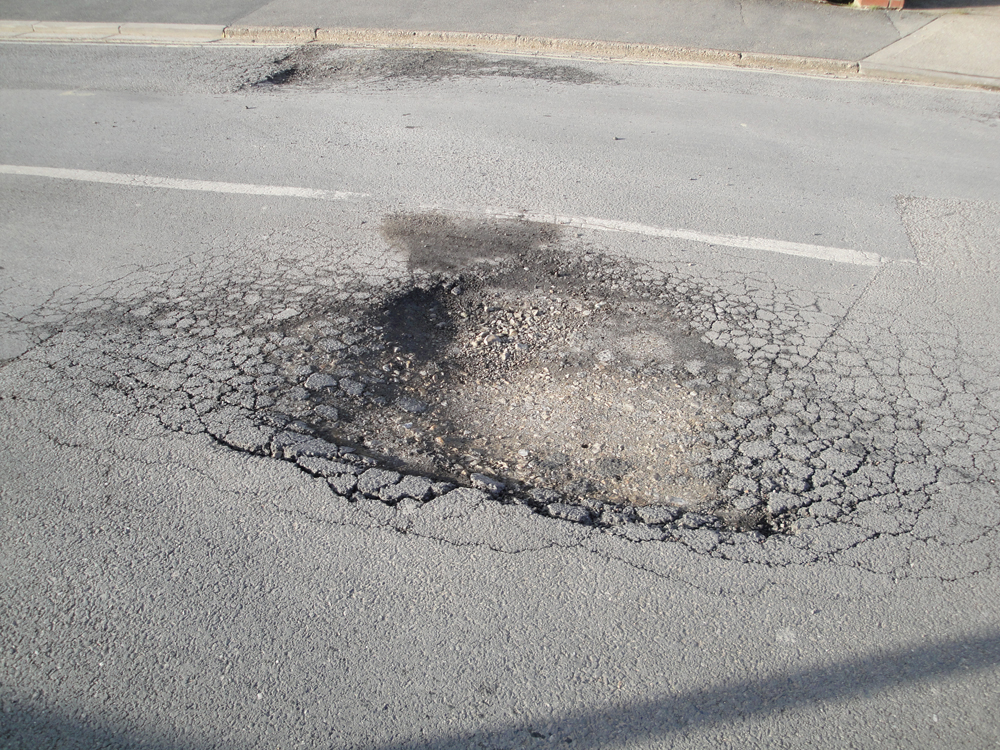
pixel 137 180
pixel 819 252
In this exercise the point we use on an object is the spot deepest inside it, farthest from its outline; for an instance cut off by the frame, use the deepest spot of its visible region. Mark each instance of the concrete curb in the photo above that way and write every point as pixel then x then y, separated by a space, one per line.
pixel 884 72
pixel 271 34
pixel 172 32
pixel 476 42
pixel 51 31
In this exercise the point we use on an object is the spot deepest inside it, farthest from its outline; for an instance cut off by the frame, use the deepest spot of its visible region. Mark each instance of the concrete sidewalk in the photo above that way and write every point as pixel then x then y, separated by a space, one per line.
pixel 950 45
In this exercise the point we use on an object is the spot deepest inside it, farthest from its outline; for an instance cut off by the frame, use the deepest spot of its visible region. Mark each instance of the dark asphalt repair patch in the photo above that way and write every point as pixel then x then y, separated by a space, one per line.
pixel 476 341
pixel 317 65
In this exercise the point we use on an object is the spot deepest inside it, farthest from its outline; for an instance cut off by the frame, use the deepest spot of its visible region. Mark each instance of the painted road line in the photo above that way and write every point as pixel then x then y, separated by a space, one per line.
pixel 138 180
pixel 818 252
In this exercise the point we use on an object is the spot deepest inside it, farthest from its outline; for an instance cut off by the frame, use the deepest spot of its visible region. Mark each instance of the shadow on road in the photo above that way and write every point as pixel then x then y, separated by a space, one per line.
pixel 658 718
pixel 950 4
pixel 24 726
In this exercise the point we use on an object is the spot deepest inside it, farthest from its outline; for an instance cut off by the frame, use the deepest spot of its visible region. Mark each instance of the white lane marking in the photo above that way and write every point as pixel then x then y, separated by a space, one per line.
pixel 138 180
pixel 819 252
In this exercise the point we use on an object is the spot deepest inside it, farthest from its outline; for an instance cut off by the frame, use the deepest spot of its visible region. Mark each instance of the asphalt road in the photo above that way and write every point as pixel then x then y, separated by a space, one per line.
pixel 172 578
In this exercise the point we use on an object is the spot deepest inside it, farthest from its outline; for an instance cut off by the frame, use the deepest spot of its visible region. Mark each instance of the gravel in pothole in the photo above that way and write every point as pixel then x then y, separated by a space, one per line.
pixel 504 360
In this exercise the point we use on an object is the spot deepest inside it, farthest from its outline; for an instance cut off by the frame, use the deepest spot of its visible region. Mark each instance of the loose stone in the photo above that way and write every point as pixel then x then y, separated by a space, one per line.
pixel 411 405
pixel 568 512
pixel 352 387
pixel 544 495
pixel 483 482
pixel 329 413
pixel 320 380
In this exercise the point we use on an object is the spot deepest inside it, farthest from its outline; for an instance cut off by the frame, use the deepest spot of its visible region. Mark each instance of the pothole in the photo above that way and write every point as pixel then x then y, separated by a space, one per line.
pixel 318 65
pixel 279 78
pixel 513 357
pixel 509 359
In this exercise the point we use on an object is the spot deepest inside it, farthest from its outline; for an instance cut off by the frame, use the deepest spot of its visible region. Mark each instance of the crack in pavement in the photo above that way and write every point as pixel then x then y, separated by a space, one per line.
pixel 822 426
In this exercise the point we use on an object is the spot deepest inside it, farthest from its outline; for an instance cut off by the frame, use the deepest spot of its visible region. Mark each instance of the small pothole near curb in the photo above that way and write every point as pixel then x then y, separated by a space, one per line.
pixel 318 65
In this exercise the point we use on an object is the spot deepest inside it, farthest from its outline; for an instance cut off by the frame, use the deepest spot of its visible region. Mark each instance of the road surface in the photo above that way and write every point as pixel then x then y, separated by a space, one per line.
pixel 252 413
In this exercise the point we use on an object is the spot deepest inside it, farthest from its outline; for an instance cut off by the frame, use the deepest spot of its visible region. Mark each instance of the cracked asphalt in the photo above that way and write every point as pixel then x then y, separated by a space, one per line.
pixel 395 472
